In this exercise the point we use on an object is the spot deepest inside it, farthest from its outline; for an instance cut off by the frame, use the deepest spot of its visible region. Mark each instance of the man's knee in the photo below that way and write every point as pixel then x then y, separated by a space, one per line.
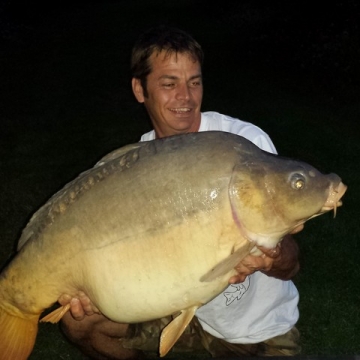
pixel 98 337
pixel 77 330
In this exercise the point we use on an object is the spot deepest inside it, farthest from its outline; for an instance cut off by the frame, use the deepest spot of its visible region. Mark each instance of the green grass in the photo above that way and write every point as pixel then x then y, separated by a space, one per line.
pixel 66 101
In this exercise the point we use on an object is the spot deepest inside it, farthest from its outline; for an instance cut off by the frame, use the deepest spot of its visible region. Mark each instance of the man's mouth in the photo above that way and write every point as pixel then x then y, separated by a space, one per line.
pixel 182 110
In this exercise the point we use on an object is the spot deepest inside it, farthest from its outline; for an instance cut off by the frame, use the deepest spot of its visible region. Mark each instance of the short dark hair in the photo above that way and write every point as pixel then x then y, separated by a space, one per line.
pixel 158 39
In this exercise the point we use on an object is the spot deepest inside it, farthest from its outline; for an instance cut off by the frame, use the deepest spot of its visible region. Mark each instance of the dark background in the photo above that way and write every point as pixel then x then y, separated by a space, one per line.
pixel 291 68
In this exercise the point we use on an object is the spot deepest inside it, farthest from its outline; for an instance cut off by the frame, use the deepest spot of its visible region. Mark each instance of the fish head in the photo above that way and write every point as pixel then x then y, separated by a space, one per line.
pixel 272 196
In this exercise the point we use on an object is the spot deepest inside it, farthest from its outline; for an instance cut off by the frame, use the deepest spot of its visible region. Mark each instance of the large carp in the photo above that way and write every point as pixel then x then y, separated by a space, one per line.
pixel 168 219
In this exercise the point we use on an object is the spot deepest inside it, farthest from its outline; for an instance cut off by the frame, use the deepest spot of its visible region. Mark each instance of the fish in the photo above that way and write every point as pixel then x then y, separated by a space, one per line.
pixel 155 229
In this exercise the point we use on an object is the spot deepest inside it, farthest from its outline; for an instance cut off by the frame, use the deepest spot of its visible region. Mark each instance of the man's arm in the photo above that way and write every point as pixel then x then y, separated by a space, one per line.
pixel 281 262
pixel 286 265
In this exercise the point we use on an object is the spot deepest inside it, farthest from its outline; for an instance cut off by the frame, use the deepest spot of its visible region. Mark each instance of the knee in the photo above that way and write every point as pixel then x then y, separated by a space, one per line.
pixel 76 330
pixel 98 337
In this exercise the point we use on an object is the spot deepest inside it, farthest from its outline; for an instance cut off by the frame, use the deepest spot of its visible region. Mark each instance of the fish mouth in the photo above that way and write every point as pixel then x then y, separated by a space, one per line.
pixel 334 199
pixel 332 202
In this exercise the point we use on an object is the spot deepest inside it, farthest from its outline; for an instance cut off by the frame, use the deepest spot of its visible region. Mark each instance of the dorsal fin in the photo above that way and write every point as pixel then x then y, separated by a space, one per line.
pixel 118 160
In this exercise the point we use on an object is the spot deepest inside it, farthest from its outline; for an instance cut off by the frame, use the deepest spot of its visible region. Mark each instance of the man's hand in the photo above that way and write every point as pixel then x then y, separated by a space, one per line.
pixel 280 262
pixel 80 306
pixel 286 265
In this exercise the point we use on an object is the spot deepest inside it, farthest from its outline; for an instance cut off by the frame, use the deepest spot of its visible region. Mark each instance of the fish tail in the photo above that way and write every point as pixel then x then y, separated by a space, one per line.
pixel 17 335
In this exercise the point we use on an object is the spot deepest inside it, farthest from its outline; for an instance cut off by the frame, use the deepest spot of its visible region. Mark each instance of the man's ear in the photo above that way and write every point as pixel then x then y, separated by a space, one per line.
pixel 137 90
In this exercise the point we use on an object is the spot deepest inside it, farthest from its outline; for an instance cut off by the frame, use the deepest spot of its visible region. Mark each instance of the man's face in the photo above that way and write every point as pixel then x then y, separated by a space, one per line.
pixel 174 93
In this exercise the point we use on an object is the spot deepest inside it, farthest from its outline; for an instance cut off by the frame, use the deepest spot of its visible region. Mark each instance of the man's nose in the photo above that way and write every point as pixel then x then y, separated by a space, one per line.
pixel 183 92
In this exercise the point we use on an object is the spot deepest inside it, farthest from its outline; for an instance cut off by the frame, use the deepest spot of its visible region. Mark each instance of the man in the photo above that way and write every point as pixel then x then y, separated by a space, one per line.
pixel 256 314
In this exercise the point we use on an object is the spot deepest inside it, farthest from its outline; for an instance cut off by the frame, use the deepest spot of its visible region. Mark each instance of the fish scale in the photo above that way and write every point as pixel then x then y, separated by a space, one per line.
pixel 156 229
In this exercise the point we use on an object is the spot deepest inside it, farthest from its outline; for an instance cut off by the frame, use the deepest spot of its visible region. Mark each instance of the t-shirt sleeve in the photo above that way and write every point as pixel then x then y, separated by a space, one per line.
pixel 148 136
pixel 264 142
pixel 256 135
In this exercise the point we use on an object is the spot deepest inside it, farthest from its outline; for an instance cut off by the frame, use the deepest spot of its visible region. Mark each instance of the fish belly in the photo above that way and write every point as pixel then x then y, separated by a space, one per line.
pixel 158 274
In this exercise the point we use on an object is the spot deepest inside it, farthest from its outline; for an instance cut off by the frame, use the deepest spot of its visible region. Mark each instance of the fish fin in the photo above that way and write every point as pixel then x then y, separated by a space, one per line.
pixel 56 315
pixel 174 329
pixel 229 263
pixel 17 336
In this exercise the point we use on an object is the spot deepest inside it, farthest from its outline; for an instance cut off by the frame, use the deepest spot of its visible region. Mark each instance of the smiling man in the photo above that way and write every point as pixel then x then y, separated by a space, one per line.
pixel 173 93
pixel 255 315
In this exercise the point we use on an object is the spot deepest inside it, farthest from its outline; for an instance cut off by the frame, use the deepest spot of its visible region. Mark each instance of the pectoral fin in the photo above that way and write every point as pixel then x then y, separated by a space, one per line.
pixel 56 315
pixel 228 263
pixel 174 329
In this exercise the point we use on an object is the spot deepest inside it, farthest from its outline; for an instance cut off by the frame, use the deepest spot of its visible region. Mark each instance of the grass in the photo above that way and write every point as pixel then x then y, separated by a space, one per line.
pixel 66 101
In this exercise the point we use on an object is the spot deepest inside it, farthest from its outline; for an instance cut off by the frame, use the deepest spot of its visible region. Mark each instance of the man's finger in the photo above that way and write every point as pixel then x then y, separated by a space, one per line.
pixel 273 253
pixel 76 309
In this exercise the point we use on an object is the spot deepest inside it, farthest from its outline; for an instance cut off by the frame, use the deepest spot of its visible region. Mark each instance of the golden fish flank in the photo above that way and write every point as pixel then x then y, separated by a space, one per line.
pixel 202 199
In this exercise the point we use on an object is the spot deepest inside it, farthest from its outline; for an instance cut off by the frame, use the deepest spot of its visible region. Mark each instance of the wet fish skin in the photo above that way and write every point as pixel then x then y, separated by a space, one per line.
pixel 156 228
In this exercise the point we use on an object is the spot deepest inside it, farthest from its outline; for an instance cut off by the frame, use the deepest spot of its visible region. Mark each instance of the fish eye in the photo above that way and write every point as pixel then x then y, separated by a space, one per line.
pixel 297 181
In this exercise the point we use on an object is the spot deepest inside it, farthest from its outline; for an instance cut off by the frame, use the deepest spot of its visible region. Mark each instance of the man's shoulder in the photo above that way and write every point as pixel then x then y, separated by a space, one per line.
pixel 214 121
pixel 214 118
pixel 148 136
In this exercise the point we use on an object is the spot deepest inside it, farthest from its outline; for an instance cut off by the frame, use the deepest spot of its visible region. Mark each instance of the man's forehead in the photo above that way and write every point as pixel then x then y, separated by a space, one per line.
pixel 163 56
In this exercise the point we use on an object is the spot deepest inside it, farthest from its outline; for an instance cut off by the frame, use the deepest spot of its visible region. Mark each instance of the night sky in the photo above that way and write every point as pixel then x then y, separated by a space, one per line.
pixel 291 67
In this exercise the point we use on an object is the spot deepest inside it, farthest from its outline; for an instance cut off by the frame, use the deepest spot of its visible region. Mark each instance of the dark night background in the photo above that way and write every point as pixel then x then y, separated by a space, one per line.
pixel 290 67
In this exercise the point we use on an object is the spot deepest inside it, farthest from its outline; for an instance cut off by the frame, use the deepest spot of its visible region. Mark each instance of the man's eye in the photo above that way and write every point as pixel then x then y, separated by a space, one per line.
pixel 196 83
pixel 168 85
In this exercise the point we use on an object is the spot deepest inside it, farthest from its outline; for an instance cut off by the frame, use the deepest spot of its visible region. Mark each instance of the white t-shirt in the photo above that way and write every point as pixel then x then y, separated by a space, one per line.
pixel 261 307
